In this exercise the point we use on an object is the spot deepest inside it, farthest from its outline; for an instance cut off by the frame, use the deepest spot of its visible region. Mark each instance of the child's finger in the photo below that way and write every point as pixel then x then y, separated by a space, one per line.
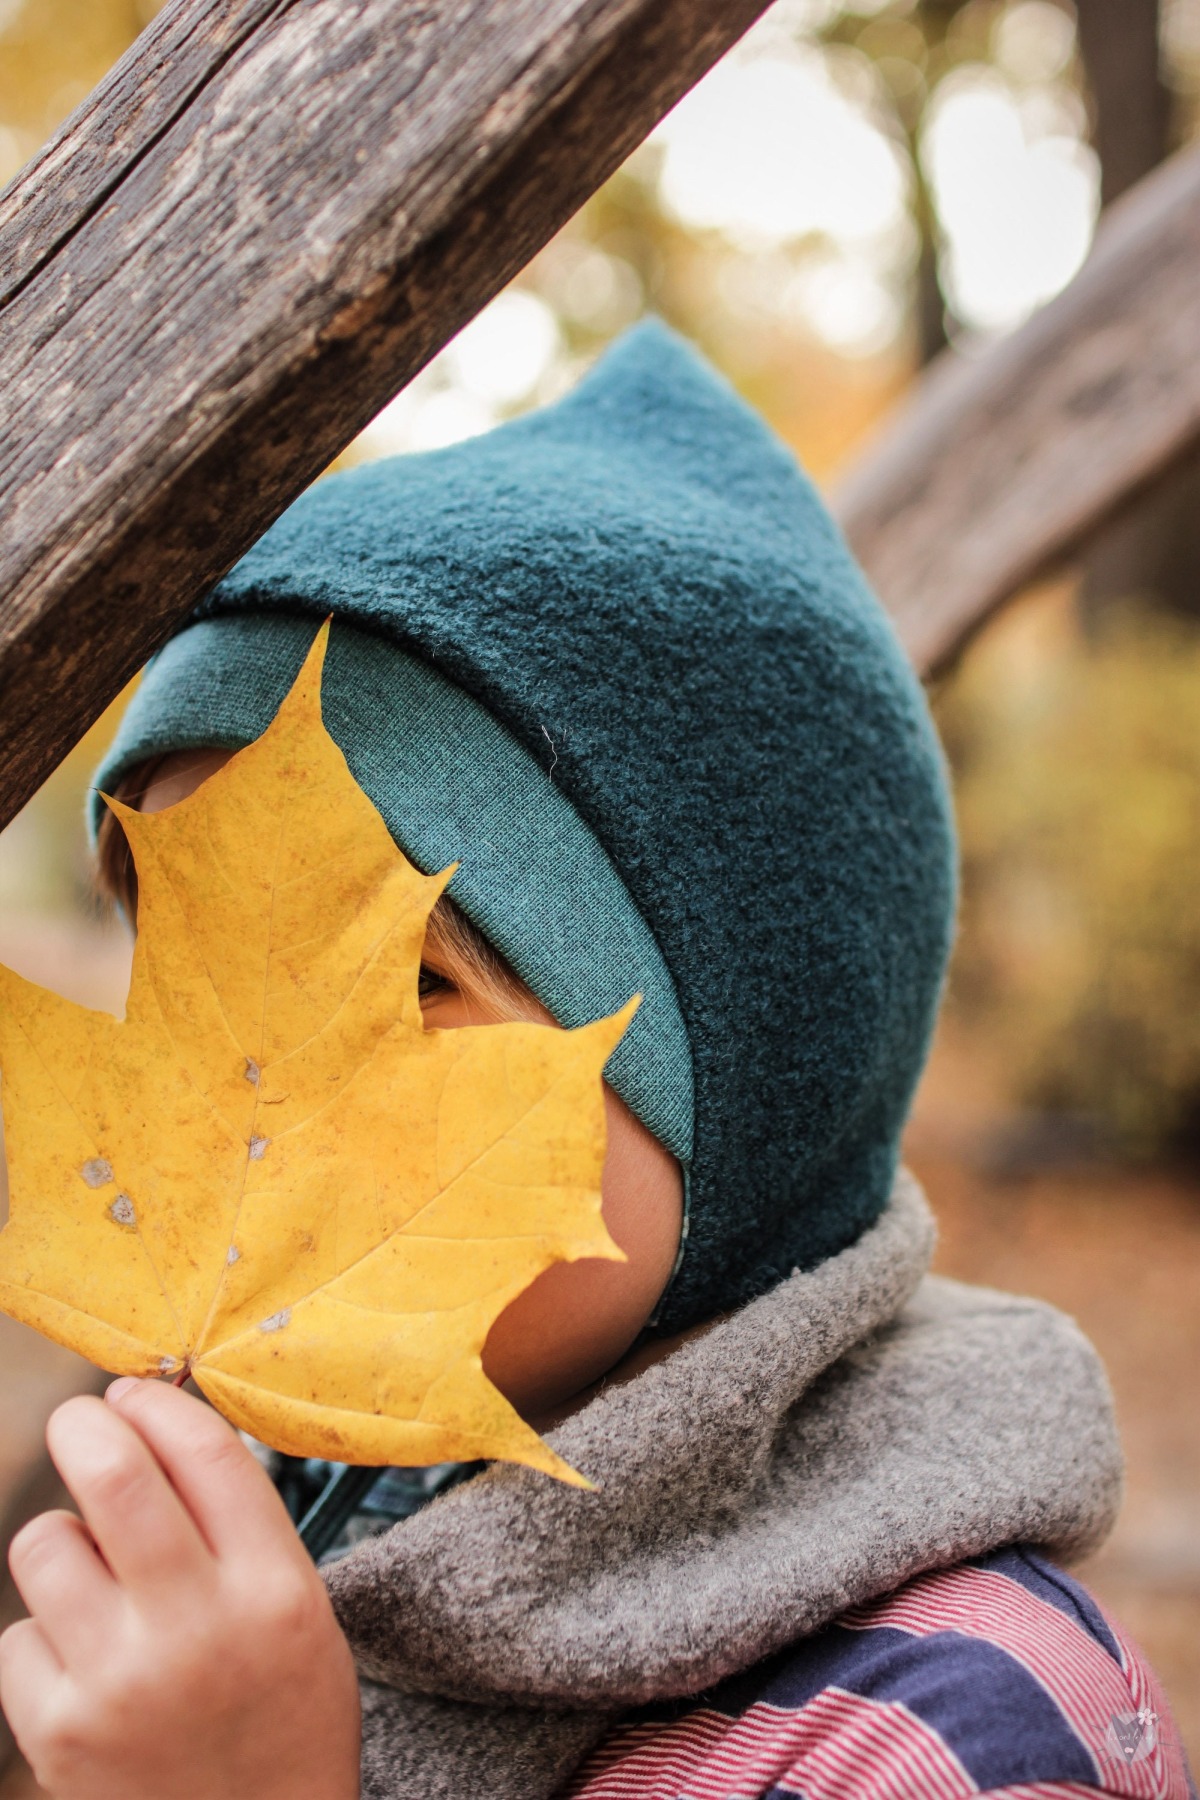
pixel 226 1491
pixel 141 1528
pixel 30 1673
pixel 64 1582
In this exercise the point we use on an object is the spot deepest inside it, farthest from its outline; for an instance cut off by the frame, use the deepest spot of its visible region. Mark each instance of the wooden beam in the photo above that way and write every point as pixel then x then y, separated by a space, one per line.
pixel 265 222
pixel 143 94
pixel 999 466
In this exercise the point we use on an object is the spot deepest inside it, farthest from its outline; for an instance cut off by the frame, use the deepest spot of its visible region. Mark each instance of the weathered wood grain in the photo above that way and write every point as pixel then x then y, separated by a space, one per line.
pixel 297 225
pixel 998 467
pixel 143 94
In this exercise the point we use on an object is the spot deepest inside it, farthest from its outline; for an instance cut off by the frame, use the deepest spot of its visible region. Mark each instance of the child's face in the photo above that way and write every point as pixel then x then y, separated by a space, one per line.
pixel 577 1319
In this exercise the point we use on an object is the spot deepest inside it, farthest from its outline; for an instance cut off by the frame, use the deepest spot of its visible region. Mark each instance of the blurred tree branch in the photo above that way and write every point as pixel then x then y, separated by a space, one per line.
pixel 998 467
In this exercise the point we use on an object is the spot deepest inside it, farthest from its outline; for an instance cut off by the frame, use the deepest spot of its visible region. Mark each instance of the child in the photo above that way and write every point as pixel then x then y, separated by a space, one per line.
pixel 615 659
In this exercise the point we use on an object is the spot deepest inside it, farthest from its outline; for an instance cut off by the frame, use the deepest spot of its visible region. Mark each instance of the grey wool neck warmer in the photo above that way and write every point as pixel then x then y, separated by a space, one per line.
pixel 861 1423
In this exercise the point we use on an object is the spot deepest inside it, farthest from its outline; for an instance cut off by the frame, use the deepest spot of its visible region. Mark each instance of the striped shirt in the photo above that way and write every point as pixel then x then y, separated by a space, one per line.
pixel 1001 1676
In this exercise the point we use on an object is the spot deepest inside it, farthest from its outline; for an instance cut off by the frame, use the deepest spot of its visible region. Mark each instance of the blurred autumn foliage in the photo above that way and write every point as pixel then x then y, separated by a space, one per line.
pixel 858 185
pixel 1077 765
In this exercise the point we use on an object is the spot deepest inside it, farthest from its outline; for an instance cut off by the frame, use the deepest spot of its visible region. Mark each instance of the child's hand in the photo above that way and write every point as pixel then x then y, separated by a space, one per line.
pixel 182 1646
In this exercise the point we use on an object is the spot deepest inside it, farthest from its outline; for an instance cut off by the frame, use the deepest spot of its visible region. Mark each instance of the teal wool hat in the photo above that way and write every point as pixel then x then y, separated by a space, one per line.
pixel 615 660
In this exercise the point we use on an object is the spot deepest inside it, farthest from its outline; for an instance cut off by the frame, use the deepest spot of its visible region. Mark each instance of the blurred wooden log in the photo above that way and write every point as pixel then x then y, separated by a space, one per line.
pixel 999 466
pixel 265 222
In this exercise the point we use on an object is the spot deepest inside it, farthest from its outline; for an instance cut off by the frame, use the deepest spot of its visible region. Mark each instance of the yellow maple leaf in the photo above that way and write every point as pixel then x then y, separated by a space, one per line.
pixel 270 1174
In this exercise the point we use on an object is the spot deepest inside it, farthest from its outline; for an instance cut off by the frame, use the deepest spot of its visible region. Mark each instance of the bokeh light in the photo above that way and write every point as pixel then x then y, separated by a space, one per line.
pixel 1017 195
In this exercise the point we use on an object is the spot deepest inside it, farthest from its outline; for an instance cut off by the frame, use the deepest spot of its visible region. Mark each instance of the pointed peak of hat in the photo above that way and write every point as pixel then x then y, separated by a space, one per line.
pixel 654 394
pixel 652 363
